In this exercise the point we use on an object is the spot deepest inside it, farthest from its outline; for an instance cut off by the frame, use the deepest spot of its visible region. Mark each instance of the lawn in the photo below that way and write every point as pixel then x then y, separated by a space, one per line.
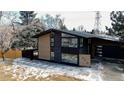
pixel 27 70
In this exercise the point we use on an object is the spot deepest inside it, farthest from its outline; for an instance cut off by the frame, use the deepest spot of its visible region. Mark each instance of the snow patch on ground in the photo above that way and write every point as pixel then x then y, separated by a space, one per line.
pixel 25 68
pixel 119 68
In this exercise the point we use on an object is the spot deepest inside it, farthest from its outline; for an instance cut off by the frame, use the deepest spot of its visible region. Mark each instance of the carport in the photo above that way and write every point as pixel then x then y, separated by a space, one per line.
pixel 111 48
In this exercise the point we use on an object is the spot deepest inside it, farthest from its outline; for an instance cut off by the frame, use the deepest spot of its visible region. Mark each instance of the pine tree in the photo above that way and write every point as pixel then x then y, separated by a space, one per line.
pixel 117 18
pixel 54 22
pixel 30 26
pixel 27 17
pixel 25 35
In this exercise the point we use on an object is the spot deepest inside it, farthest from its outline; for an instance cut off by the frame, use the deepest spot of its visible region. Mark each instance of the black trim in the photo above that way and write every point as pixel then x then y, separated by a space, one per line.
pixel 78 59
pixel 50 43
pixel 73 33
pixel 38 46
pixel 57 47
pixel 70 50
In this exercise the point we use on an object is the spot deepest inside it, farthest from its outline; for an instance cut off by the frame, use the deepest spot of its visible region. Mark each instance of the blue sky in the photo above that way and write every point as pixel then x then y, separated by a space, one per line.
pixel 85 18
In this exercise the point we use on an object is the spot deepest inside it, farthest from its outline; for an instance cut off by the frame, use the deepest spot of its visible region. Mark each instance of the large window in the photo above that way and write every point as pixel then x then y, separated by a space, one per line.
pixel 69 48
pixel 69 42
pixel 70 58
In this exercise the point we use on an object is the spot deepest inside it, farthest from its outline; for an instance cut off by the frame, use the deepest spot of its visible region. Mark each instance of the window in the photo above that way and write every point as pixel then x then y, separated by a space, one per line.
pixel 81 42
pixel 52 41
pixel 69 42
pixel 70 58
pixel 52 56
pixel 52 45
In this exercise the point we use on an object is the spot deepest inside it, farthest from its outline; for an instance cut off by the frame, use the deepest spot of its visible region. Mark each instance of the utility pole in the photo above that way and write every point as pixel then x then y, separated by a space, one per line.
pixel 97 25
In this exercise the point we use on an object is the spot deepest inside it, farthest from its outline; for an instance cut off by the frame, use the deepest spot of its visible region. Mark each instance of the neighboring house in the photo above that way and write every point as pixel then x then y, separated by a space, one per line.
pixel 72 46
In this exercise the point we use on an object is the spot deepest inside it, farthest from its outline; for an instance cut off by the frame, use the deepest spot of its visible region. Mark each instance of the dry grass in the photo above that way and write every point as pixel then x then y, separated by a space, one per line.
pixel 53 78
pixel 6 74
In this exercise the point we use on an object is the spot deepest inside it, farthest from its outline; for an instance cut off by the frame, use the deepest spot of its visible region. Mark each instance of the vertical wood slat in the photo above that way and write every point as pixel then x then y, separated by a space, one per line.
pixel 44 47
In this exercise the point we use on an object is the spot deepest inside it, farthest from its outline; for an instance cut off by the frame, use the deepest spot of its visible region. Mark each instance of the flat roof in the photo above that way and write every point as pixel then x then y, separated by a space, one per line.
pixel 79 34
pixel 70 32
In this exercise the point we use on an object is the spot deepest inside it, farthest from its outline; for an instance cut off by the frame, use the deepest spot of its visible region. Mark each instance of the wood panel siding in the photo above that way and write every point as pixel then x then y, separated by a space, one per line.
pixel 84 60
pixel 44 47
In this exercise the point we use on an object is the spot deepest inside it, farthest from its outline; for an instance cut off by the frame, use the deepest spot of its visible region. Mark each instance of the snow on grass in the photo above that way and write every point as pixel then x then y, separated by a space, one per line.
pixel 24 69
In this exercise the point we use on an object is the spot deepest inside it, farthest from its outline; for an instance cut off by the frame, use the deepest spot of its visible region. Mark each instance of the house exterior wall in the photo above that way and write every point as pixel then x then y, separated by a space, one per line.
pixel 104 42
pixel 97 42
pixel 83 51
pixel 44 47
pixel 84 56
pixel 57 47
pixel 84 60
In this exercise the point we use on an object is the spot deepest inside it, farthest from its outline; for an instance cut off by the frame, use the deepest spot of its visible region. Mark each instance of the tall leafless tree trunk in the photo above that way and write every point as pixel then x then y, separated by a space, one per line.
pixel 3 55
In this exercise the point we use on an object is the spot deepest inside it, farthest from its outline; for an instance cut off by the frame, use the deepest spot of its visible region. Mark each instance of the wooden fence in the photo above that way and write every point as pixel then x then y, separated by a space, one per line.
pixel 12 53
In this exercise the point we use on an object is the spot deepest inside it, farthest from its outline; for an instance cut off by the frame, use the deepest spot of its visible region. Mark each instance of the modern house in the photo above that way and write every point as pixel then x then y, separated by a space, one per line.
pixel 72 47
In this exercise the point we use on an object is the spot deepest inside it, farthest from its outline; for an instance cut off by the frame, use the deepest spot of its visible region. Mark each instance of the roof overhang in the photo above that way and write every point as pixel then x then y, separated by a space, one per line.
pixel 73 33
pixel 78 34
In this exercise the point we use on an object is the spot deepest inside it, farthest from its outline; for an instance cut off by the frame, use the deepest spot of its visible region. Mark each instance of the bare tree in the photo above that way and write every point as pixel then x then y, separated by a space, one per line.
pixel 7 32
pixel 5 40
pixel 56 22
